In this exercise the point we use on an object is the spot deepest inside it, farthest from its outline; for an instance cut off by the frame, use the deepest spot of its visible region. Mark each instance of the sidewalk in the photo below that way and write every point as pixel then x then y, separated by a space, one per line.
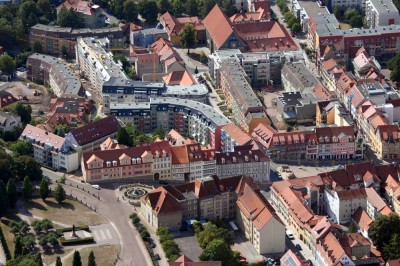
pixel 158 249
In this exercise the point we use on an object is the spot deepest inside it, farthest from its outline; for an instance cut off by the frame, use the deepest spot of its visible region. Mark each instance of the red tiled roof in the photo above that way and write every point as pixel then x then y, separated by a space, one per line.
pixel 395 262
pixel 182 78
pixel 179 155
pixel 96 130
pixel 387 132
pixel 376 201
pixel 330 132
pixel 161 201
pixel 80 6
pixel 329 64
pixel 218 26
pixel 291 259
pixel 237 134
pixel 362 219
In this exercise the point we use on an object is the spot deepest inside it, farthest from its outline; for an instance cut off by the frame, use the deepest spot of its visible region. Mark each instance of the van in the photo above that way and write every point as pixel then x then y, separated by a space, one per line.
pixel 289 234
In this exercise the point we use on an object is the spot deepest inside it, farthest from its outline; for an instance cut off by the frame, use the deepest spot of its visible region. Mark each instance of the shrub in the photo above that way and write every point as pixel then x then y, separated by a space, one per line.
pixel 86 240
pixel 4 244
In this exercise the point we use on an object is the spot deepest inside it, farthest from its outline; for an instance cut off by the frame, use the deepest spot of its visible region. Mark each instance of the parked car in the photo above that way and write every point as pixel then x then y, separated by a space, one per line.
pixel 157 257
pixel 152 244
pixel 289 234
pixel 163 182
pixel 298 246
pixel 242 259
pixel 309 263
pixel 96 187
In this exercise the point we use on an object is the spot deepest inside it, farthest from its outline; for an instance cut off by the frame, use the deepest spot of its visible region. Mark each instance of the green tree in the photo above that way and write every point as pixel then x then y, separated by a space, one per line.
pixel 159 133
pixel 123 137
pixel 292 20
pixel 357 21
pixel 24 111
pixel 192 8
pixel 218 250
pixel 391 250
pixel 296 28
pixel 337 10
pixel 27 166
pixel 37 225
pixel 18 249
pixel 4 203
pixel 188 37
pixel 163 6
pixel 44 190
pixel 117 7
pixel 69 18
pixel 59 194
pixel 349 13
pixel 7 64
pixel 383 228
pixel 27 188
pixel 12 192
pixel 21 147
pixel 21 58
pixel 38 259
pixel 62 17
pixel 130 11
pixel 395 74
pixel 171 249
pixel 28 14
pixel 58 261
pixel 211 232
pixel 44 8
pixel 206 6
pixel 352 229
pixel 177 7
pixel 132 73
pixel 91 260
pixel 77 259
pixel 149 11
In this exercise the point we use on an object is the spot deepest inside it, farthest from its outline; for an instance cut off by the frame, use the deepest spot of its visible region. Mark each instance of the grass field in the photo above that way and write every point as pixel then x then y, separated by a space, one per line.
pixel 8 235
pixel 105 255
pixel 69 212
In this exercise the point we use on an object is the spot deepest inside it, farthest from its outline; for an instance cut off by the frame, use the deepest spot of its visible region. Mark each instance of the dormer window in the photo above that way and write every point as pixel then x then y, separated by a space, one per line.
pixel 108 164
pixel 256 158
pixel 133 161
pixel 335 139
pixel 246 158
pixel 114 163
pixel 138 160
pixel 222 160
pixel 326 139
pixel 234 159
pixel 321 139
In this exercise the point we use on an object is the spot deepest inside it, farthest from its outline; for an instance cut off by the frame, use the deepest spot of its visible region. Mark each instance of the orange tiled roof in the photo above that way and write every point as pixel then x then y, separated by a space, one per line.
pixel 362 219
pixel 183 78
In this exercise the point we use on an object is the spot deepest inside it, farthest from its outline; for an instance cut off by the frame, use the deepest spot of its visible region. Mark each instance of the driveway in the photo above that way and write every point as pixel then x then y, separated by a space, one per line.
pixel 188 244
pixel 246 249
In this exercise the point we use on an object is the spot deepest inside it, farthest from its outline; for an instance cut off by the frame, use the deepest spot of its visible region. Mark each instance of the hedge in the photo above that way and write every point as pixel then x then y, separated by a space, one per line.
pixel 4 244
pixel 60 231
pixel 77 241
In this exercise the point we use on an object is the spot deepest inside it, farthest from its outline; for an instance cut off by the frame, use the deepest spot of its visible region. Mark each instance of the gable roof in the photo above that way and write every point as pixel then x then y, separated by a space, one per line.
pixel 362 219
pixel 218 26
pixel 182 78
pixel 42 137
pixel 161 201
pixel 96 130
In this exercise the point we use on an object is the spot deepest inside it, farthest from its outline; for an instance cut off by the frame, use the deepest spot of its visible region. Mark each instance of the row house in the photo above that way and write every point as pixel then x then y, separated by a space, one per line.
pixel 50 150
pixel 229 136
pixel 363 63
pixel 213 198
pixel 332 113
pixel 335 143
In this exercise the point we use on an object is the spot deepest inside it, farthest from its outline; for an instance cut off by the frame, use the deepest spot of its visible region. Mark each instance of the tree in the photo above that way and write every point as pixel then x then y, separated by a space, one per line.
pixel 21 147
pixel 44 190
pixel 159 133
pixel 44 8
pixel 349 13
pixel 192 8
pixel 130 11
pixel 24 111
pixel 218 250
pixel 77 259
pixel 391 250
pixel 296 28
pixel 12 192
pixel 18 250
pixel 58 261
pixel 27 166
pixel 91 260
pixel 123 137
pixel 47 225
pixel 292 20
pixel 163 6
pixel 206 6
pixel 7 64
pixel 337 10
pixel 38 259
pixel 69 18
pixel 188 37
pixel 3 199
pixel 117 7
pixel 395 74
pixel 60 194
pixel 211 232
pixel 177 7
pixel 383 228
pixel 27 188
pixel 171 249
pixel 357 21
pixel 352 229
pixel 28 14
pixel 132 73
pixel 148 10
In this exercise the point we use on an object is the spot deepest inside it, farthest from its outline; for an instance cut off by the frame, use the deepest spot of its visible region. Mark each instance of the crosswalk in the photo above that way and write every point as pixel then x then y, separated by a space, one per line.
pixel 102 235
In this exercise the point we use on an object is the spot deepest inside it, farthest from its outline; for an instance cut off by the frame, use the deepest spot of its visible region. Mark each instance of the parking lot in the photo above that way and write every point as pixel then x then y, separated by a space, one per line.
pixel 188 244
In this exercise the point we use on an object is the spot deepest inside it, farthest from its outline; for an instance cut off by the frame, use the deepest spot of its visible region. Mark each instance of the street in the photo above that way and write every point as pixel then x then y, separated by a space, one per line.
pixel 133 252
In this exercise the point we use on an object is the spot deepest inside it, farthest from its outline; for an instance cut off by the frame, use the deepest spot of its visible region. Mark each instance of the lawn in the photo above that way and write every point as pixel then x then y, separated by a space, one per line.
pixel 344 26
pixel 69 212
pixel 105 255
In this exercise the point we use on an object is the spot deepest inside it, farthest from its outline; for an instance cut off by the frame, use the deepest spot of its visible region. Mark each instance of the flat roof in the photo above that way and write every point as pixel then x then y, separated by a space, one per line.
pixel 383 6
pixel 327 25
pixel 312 8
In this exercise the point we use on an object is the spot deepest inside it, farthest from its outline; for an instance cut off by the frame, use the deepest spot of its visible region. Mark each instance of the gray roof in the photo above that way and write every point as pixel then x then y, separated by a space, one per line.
pixel 383 6
pixel 71 83
pixel 313 8
pixel 299 75
pixel 58 29
pixel 327 25
pixel 114 81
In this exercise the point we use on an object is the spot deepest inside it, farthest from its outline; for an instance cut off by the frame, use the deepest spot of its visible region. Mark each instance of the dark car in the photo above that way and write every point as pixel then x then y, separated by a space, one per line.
pixel 163 182
pixel 157 257
pixel 152 244
pixel 183 228
pixel 309 263
pixel 298 246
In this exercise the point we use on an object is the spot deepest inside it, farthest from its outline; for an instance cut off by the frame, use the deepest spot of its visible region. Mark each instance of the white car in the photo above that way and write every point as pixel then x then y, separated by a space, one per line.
pixel 96 187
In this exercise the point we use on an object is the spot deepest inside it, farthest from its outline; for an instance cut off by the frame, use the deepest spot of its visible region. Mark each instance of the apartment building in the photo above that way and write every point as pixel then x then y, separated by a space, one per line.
pixel 230 135
pixel 193 119
pixel 324 143
pixel 54 38
pixel 243 161
pixel 247 110
pixel 95 63
pixel 296 77
pixel 363 63
pixel 213 198
pixel 50 150
pixel 91 14
pixel 53 72
pixel 297 107
pixel 332 113
pixel 119 91
pixel 381 13
pixel 89 137
pixel 256 66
